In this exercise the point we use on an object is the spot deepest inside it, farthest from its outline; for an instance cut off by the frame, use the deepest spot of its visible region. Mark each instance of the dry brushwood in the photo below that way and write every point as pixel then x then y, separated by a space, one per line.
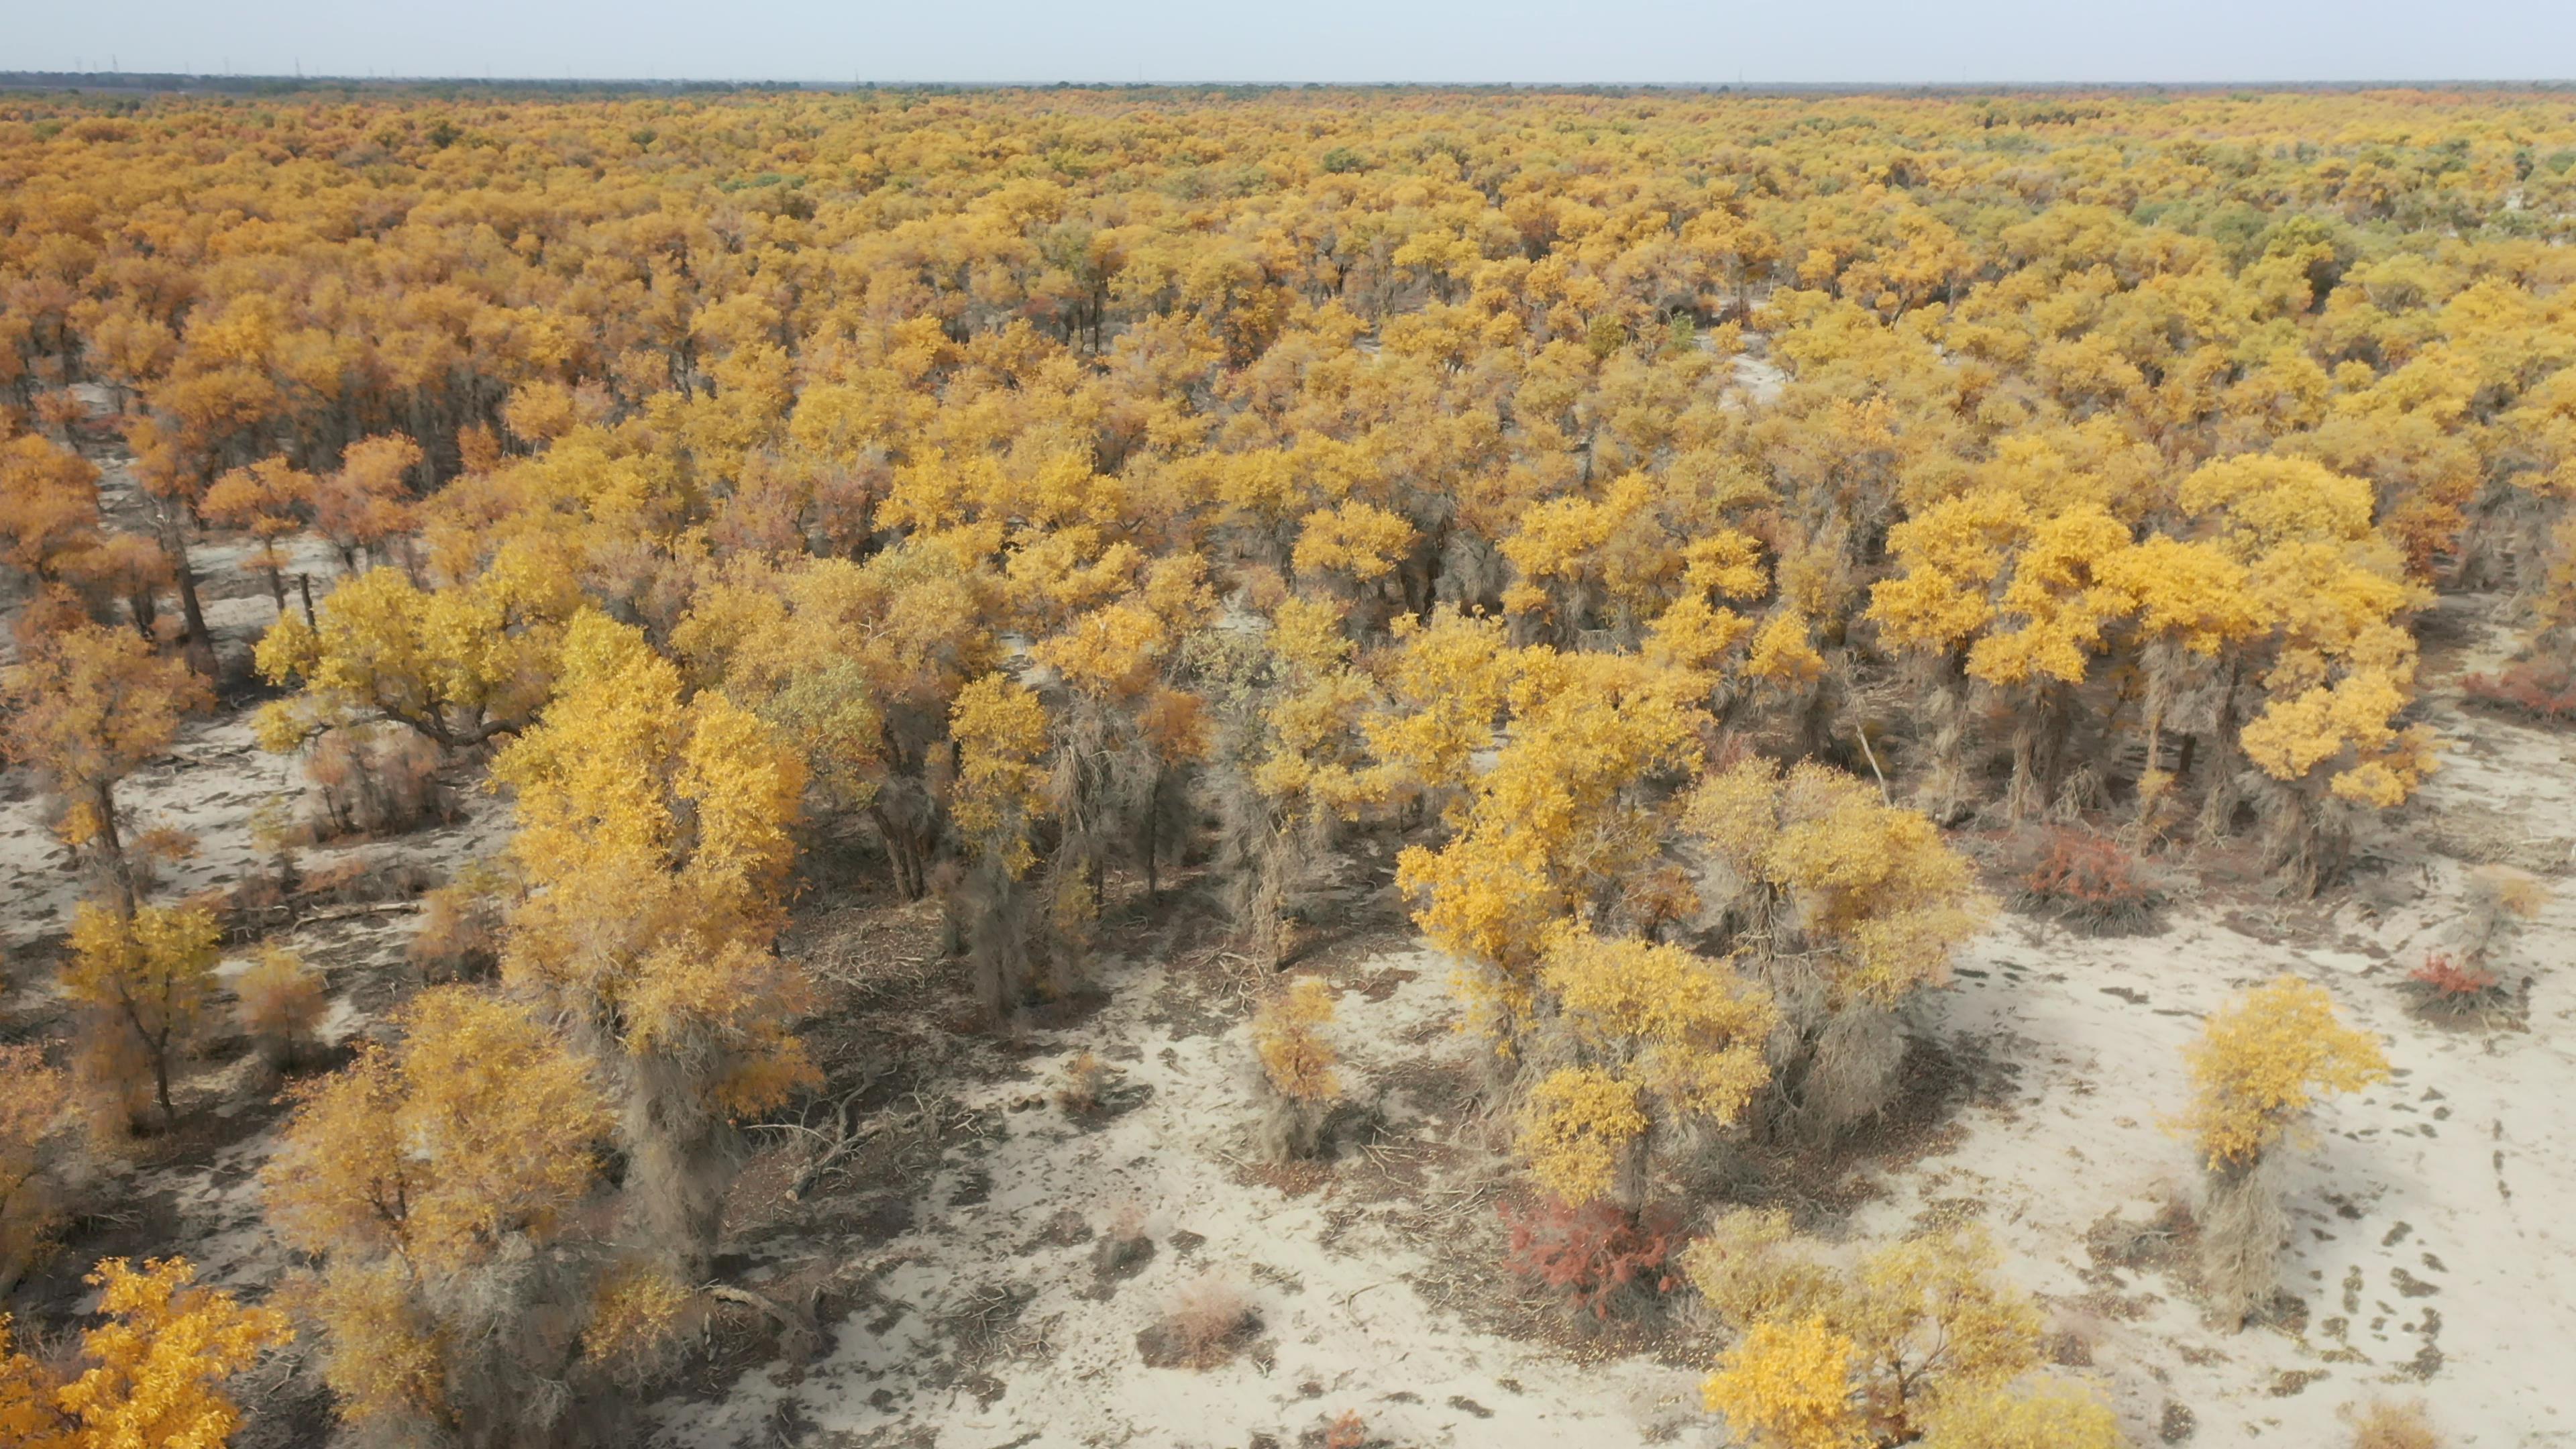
pixel 1085 1076
pixel 830 1145
pixel 2386 1425
pixel 800 1338
pixel 1205 1322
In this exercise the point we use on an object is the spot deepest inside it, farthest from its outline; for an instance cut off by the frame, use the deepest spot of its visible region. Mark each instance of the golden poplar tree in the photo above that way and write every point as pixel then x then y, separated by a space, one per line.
pixel 2261 1062
pixel 654 841
pixel 143 982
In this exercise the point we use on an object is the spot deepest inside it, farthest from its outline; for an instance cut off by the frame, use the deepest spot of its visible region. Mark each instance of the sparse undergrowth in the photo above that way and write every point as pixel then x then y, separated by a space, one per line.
pixel 1601 1259
pixel 2092 885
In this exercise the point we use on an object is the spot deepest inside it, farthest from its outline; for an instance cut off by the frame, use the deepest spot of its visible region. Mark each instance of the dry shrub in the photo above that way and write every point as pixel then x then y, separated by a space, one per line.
pixel 460 930
pixel 1852 1075
pixel 1348 1431
pixel 281 1003
pixel 2501 900
pixel 376 780
pixel 1207 1322
pixel 2384 1425
pixel 1125 1247
pixel 1599 1257
pixel 1078 1090
pixel 2545 692
pixel 2089 884
pixel 360 880
pixel 2242 1229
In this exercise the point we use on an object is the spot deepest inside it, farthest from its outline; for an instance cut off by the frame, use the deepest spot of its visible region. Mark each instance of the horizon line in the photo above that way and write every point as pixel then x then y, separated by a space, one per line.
pixel 160 80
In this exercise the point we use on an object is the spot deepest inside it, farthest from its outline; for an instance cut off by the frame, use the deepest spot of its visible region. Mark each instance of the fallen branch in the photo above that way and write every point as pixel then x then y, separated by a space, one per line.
pixel 802 1337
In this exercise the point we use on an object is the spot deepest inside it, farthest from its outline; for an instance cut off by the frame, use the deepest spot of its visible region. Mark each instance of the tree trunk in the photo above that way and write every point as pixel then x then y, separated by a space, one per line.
pixel 161 1085
pixel 198 645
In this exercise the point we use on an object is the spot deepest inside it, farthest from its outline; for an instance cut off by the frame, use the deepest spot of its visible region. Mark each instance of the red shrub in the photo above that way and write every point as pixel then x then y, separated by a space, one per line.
pixel 2444 987
pixel 2089 883
pixel 1593 1253
pixel 2542 691
pixel 2444 979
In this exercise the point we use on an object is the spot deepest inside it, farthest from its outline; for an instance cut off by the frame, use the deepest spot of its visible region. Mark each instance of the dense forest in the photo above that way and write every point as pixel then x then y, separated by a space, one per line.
pixel 1692 565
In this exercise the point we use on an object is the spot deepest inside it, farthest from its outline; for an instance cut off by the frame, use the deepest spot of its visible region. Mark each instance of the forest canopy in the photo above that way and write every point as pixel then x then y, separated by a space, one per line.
pixel 1661 526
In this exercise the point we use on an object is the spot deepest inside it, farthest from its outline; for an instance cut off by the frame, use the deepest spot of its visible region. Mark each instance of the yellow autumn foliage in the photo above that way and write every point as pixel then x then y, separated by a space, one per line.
pixel 2263 1060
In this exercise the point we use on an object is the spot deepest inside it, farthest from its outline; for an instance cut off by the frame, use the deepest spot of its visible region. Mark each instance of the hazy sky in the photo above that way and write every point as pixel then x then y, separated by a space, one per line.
pixel 1937 41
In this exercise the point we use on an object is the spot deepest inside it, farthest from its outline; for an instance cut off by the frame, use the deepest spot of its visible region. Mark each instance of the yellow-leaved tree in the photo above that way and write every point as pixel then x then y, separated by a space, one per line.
pixel 1844 907
pixel 2337 671
pixel 1002 738
pixel 1661 1040
pixel 1561 823
pixel 1913 1341
pixel 451 1187
pixel 1300 1072
pixel 2260 1064
pixel 654 841
pixel 143 983
pixel 461 665
pixel 152 1376
pixel 32 1098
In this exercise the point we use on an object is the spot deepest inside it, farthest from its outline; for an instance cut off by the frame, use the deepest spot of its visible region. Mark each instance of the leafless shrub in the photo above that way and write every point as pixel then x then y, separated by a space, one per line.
pixel 1205 1323
pixel 2385 1425
pixel 1078 1089
pixel 1853 1074
pixel 460 930
pixel 376 780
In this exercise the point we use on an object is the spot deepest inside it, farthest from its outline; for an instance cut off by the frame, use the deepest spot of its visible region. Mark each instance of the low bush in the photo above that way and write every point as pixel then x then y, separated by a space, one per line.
pixel 2383 1425
pixel 1078 1090
pixel 2089 884
pixel 1600 1257
pixel 281 1004
pixel 2535 691
pixel 460 928
pixel 1125 1247
pixel 1207 1322
pixel 2444 987
pixel 376 780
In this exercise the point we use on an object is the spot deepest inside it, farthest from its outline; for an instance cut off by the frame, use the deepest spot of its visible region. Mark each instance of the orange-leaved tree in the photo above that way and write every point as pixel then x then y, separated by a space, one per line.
pixel 89 706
